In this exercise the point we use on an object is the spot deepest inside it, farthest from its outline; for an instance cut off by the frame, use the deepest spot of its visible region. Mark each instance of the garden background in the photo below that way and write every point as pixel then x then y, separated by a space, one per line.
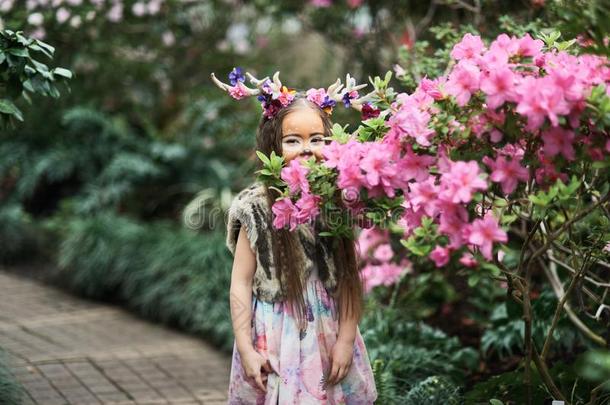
pixel 112 177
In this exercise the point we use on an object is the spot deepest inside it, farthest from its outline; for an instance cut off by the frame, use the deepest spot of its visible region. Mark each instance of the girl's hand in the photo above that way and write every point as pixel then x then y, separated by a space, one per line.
pixel 341 357
pixel 256 368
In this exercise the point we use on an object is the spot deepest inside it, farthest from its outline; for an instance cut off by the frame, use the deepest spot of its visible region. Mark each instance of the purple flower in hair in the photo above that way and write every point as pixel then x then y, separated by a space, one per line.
pixel 236 75
pixel 348 97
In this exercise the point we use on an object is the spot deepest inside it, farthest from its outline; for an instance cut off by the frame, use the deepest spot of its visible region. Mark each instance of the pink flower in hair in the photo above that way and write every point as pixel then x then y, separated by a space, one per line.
pixel 238 91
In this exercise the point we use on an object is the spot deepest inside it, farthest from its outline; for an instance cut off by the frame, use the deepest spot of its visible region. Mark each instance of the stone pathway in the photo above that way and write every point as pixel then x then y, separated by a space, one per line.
pixel 66 350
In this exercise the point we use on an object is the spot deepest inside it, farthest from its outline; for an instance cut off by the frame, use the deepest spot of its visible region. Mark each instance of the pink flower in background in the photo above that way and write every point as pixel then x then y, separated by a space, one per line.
pixel 384 253
pixel 284 212
pixel 370 237
pixel 506 172
pixel 452 220
pixel 527 46
pixel 308 207
pixel 470 47
pixel 461 181
pixel 115 14
pixel 424 194
pixel 412 121
pixel 295 175
pixel 539 99
pixel 483 232
pixel 385 274
pixel 499 87
pixel 468 260
pixel 238 91
pixel 321 3
pixel 354 3
pixel 62 14
pixel 415 166
pixel 440 255
pixel 463 81
pixel 558 140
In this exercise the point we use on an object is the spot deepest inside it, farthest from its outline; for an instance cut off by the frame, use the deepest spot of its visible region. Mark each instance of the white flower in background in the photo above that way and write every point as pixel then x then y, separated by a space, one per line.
pixel 57 3
pixel 154 6
pixel 39 33
pixel 76 21
pixel 116 13
pixel 237 36
pixel 90 15
pixel 6 5
pixel 138 9
pixel 35 19
pixel 97 3
pixel 168 38
pixel 75 2
pixel 43 3
pixel 31 4
pixel 291 26
pixel 62 15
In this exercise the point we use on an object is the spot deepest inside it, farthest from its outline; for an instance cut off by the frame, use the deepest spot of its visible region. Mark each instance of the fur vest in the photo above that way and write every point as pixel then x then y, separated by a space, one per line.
pixel 251 209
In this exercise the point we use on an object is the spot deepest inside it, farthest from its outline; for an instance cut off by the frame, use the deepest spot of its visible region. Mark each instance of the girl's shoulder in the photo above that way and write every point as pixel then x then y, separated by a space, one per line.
pixel 254 194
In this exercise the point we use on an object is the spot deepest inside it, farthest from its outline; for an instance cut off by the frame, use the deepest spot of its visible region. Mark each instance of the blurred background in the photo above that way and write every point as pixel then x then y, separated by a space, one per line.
pixel 117 188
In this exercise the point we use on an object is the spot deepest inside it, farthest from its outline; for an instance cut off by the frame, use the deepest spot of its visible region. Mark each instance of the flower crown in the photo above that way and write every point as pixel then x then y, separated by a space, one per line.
pixel 274 96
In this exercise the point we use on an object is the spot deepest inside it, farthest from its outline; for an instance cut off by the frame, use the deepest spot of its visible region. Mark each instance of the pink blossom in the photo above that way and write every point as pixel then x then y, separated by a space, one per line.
pixel 483 232
pixel 384 253
pixel 469 47
pixel 463 81
pixel 440 255
pixel 558 140
pixel 321 3
pixel 385 274
pixel 415 166
pixel 461 181
pixel 468 260
pixel 539 99
pixel 332 154
pixel 369 238
pixel 412 121
pixel 284 214
pixel 498 84
pixel 506 172
pixel 423 195
pixel 295 176
pixel 62 15
pixel 529 46
pixel 238 91
pixel 354 3
pixel 316 96
pixel 115 14
pixel 433 87
pixel 452 220
pixel 308 207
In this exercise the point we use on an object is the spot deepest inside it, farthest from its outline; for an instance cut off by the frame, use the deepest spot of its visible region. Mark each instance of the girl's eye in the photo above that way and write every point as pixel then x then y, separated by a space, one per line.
pixel 318 140
pixel 291 141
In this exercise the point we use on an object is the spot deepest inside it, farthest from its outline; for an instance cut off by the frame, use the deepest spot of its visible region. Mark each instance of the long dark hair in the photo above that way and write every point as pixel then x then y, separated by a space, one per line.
pixel 349 290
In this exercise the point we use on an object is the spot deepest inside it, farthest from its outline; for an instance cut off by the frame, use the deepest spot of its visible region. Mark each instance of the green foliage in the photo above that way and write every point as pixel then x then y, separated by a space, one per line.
pixel 509 388
pixel 434 391
pixel 18 235
pixel 504 334
pixel 594 366
pixel 20 72
pixel 11 392
pixel 166 274
pixel 405 353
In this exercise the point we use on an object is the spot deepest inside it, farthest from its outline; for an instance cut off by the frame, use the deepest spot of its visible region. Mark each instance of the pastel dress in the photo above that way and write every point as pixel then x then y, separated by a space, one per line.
pixel 300 359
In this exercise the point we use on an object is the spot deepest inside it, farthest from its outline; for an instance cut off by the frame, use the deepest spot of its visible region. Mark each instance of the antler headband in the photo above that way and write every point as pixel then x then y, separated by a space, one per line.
pixel 274 96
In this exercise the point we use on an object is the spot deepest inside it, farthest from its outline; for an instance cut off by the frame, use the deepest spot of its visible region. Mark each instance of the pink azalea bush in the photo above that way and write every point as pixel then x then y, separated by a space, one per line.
pixel 452 162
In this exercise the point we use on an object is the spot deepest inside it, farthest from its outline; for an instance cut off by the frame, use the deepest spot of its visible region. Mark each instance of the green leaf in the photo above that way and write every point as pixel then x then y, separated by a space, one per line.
pixel 62 72
pixel 263 157
pixel 8 107
pixel 496 402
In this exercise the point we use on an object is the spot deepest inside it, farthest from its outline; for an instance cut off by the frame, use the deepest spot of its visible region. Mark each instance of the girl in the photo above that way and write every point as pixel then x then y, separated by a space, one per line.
pixel 295 298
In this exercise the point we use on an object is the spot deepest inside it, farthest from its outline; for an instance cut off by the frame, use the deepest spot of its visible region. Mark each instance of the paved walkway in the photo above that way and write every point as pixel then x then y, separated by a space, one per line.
pixel 67 350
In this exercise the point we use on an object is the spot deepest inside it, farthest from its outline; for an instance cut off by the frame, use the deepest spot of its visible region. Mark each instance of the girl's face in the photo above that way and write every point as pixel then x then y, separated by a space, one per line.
pixel 302 135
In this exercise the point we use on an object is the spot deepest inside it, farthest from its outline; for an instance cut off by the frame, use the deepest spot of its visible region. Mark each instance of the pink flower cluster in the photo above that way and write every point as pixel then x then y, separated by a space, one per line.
pixel 375 250
pixel 522 112
pixel 306 209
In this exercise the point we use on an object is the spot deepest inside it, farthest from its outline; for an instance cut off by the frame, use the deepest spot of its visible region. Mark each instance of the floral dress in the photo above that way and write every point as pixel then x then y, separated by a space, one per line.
pixel 300 359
